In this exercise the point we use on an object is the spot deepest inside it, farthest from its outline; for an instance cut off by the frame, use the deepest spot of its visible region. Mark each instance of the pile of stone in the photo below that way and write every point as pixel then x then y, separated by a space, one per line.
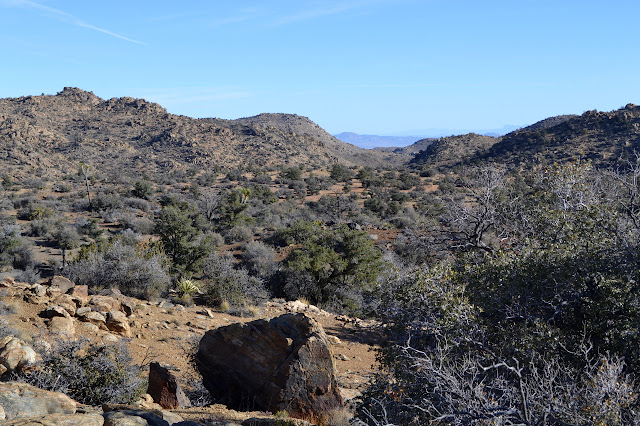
pixel 67 304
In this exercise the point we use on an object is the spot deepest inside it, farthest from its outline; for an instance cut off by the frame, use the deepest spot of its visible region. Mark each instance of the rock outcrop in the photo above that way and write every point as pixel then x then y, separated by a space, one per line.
pixel 165 389
pixel 282 364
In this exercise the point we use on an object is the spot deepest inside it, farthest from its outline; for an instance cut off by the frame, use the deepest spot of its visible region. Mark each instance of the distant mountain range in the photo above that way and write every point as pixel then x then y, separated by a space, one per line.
pixel 405 139
pixel 50 135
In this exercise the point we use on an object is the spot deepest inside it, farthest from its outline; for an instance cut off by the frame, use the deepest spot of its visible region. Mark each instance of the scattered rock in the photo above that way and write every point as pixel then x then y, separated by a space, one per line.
pixel 55 311
pixel 80 291
pixel 109 338
pixel 125 415
pixel 281 364
pixel 117 322
pixel 39 290
pixel 62 325
pixel 165 389
pixel 15 355
pixel 104 304
pixel 19 400
pixel 67 302
pixel 128 308
pixel 334 340
pixel 83 310
pixel 61 283
pixel 7 282
pixel 95 318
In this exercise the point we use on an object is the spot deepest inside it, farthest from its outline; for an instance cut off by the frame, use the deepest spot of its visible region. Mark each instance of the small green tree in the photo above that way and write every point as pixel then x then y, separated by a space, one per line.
pixel 331 267
pixel 183 242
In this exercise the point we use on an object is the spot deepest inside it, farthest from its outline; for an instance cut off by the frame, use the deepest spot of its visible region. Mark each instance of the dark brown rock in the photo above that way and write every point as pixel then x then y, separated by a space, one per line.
pixel 165 389
pixel 281 364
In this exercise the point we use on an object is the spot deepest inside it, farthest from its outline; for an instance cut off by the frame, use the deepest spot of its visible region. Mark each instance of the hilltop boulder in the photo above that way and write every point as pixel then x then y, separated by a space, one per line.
pixel 281 364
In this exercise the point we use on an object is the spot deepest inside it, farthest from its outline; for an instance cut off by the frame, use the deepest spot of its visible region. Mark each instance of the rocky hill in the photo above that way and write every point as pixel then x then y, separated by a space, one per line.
pixel 121 135
pixel 605 138
pixel 452 150
pixel 412 149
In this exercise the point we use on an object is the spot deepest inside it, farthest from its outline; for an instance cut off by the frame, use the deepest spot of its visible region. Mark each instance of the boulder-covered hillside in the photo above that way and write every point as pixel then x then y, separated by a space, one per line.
pixel 56 132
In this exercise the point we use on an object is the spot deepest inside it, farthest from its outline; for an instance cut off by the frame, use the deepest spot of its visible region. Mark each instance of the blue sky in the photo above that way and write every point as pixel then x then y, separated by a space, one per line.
pixel 367 66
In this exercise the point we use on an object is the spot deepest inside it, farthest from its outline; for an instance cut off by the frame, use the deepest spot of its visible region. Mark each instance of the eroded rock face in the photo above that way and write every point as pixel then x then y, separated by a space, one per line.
pixel 281 364
pixel 20 400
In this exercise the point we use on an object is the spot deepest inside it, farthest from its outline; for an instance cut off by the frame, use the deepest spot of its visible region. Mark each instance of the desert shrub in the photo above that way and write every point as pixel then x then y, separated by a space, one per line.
pixel 299 187
pixel 137 271
pixel 90 373
pixel 235 175
pixel 140 225
pixel 89 227
pixel 207 179
pixel 34 183
pixel 223 284
pixel 104 201
pixel 262 179
pixel 5 328
pixel 43 228
pixel 290 173
pixel 315 184
pixel 142 189
pixel 15 251
pixel 35 211
pixel 29 275
pixel 407 180
pixel 262 193
pixel 259 259
pixel 335 208
pixel 138 204
pixel 238 234
pixel 341 173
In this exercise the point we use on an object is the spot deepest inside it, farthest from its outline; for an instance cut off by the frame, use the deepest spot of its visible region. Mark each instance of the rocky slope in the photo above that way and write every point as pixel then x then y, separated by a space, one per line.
pixel 126 135
pixel 452 150
pixel 607 139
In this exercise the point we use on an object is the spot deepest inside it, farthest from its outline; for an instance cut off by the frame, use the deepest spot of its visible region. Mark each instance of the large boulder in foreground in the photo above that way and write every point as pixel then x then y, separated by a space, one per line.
pixel 281 364
pixel 19 400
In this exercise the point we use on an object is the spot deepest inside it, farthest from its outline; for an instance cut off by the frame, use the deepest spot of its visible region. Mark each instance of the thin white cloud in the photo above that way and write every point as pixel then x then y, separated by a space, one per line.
pixel 325 10
pixel 64 17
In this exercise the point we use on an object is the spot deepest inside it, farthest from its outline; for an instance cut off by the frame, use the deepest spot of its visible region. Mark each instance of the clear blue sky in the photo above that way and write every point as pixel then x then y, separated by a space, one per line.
pixel 368 66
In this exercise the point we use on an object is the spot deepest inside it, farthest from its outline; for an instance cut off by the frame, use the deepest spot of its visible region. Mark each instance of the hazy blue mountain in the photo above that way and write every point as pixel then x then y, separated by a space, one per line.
pixel 404 139
pixel 375 141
